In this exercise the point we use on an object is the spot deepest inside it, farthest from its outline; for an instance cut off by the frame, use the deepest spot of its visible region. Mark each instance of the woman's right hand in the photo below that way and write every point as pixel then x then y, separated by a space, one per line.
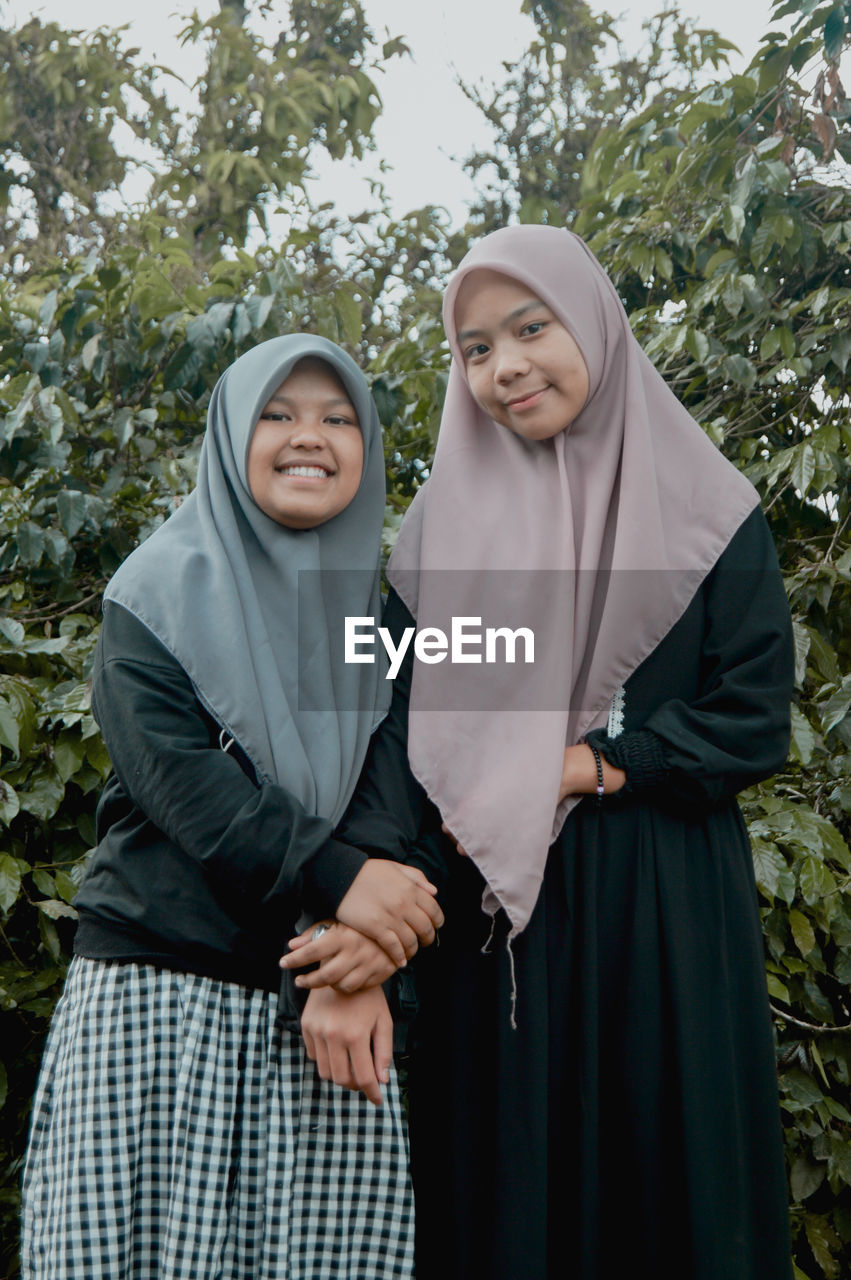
pixel 394 905
pixel 347 960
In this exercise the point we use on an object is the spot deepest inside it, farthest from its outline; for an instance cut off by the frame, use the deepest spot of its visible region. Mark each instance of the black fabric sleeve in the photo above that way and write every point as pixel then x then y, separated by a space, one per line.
pixel 256 842
pixel 390 815
pixel 737 730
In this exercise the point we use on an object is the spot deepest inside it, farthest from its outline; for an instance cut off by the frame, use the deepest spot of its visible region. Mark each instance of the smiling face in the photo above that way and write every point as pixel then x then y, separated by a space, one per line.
pixel 305 459
pixel 523 367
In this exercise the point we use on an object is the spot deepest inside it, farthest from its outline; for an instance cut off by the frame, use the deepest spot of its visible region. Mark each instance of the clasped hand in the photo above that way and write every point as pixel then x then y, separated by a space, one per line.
pixel 388 911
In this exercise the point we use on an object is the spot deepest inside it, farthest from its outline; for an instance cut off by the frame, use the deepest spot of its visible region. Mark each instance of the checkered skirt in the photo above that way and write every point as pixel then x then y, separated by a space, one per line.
pixel 179 1133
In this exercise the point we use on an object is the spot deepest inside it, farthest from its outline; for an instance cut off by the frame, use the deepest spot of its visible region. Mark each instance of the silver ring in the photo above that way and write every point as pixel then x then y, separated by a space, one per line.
pixel 318 932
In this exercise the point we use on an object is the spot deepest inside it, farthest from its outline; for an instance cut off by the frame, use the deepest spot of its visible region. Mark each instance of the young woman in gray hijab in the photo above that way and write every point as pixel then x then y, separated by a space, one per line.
pixel 594 1094
pixel 179 1129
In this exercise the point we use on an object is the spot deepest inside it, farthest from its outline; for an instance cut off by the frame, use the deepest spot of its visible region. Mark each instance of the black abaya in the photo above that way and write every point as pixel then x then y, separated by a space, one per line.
pixel 629 1125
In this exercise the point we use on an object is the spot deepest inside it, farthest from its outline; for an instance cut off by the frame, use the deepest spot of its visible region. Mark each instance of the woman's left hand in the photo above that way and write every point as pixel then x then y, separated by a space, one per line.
pixel 348 961
pixel 579 773
pixel 350 1038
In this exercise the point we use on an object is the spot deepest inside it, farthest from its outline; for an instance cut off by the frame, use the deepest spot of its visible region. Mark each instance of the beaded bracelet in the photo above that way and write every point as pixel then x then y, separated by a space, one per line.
pixel 599 763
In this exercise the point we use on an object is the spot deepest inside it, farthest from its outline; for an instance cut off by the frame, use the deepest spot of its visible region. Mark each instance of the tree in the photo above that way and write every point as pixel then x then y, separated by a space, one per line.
pixel 575 78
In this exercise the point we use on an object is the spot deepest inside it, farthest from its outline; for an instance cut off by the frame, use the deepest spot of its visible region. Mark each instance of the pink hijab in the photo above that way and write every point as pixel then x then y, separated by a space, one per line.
pixel 596 540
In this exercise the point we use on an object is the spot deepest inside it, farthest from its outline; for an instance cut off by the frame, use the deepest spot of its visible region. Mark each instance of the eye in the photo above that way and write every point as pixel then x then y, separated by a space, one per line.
pixel 273 416
pixel 535 326
pixel 339 420
pixel 476 351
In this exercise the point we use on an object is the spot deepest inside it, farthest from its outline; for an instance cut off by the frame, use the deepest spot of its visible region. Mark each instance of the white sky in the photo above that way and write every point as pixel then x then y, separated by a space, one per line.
pixel 427 122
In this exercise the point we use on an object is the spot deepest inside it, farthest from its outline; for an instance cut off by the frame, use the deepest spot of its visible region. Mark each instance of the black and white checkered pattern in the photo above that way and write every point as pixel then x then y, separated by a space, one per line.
pixel 179 1134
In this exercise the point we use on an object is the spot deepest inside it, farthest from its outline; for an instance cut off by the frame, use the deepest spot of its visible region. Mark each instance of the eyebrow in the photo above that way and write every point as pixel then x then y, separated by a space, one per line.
pixel 464 334
pixel 278 399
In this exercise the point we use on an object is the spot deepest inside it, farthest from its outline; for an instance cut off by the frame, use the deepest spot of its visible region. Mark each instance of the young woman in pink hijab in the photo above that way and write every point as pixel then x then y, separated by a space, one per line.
pixel 595 1092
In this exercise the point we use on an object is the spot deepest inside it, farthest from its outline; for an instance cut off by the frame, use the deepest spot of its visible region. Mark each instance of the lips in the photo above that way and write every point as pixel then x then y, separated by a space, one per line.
pixel 527 401
pixel 304 471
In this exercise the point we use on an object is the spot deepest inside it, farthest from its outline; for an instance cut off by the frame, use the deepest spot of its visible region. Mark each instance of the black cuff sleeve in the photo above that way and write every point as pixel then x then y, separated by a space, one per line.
pixel 639 754
pixel 328 876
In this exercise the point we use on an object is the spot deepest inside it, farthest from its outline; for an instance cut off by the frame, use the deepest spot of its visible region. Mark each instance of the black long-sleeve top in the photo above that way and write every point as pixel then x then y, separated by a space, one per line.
pixel 198 867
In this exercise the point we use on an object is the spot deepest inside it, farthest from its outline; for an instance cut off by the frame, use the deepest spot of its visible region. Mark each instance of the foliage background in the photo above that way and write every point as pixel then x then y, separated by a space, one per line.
pixel 720 205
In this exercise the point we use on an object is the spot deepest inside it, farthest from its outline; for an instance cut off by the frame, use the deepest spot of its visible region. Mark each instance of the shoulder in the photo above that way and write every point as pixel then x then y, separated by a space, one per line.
pixel 751 546
pixel 125 638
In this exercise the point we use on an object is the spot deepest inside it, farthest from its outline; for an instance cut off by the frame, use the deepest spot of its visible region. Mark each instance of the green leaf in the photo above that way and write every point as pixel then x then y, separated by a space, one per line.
pixel 823 1240
pixel 803 737
pixel 44 795
pixel 802 932
pixel 837 706
pixel 815 880
pixel 840 349
pixel 801 637
pixel 49 936
pixel 776 988
pixel 697 345
pixel 89 352
pixel 30 540
pixel 10 882
pixel 768 863
pixel 740 369
pixel 71 508
pixel 9 735
pixel 746 171
pixel 734 222
pixel 805 1178
pixel 65 886
pixel 9 803
pixel 842 967
pixel 98 756
pixel 802 1087
pixel 834 34
pixel 68 755
pixel 12 630
pixel 44 882
pixel 56 909
pixel 762 243
pixel 350 316
pixel 803 468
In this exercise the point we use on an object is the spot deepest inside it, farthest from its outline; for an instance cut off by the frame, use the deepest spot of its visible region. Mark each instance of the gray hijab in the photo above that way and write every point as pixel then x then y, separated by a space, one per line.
pixel 240 602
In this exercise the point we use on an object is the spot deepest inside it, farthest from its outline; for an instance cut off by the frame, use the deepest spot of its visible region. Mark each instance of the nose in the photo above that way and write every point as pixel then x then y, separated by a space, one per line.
pixel 307 434
pixel 510 362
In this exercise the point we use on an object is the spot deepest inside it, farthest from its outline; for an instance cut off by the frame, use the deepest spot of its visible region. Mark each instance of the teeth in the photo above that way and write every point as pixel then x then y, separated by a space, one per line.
pixel 310 473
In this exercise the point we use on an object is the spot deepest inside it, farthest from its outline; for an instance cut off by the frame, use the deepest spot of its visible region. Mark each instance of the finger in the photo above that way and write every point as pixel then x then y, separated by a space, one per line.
pixel 414 873
pixel 431 908
pixel 364 978
pixel 309 1044
pixel 322 1060
pixel 390 942
pixel 341 1067
pixel 407 935
pixel 300 940
pixel 363 1072
pixel 327 975
pixel 312 952
pixel 382 1045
